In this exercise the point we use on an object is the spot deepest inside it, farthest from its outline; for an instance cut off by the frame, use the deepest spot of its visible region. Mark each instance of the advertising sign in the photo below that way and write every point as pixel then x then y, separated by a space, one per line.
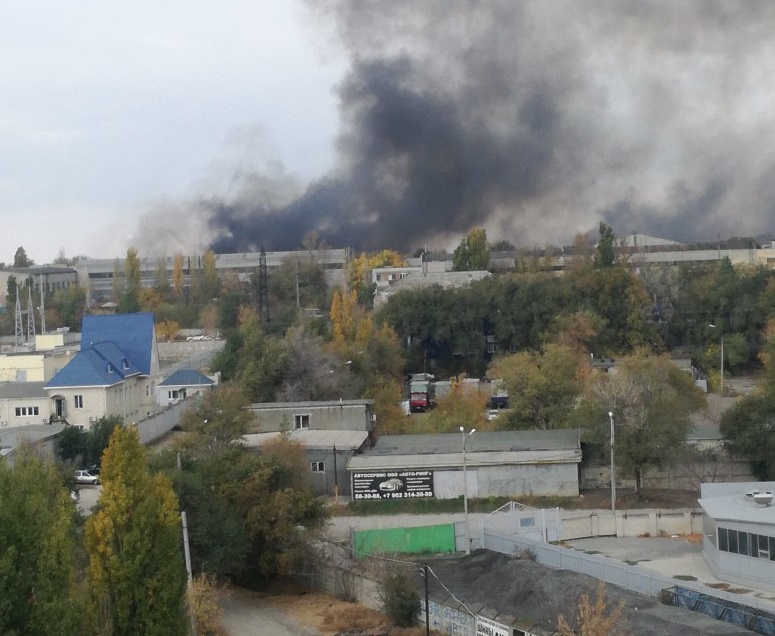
pixel 403 484
pixel 487 627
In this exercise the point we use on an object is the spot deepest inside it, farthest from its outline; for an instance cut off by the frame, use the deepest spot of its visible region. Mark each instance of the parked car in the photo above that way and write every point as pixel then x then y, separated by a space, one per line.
pixel 85 477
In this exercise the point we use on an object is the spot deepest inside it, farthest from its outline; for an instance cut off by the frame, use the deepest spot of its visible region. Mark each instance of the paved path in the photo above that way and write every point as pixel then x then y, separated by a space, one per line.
pixel 247 613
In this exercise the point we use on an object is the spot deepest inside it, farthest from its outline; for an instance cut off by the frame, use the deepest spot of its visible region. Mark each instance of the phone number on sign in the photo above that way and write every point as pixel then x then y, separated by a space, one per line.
pixel 392 495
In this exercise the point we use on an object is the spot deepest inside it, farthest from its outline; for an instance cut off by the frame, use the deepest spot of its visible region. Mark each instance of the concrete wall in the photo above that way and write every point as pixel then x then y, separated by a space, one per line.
pixel 681 476
pixel 336 417
pixel 579 524
pixel 161 423
pixel 323 482
pixel 528 479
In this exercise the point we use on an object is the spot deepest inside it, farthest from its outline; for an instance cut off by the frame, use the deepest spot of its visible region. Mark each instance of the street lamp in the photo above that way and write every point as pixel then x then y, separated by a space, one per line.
pixel 465 487
pixel 613 469
pixel 721 382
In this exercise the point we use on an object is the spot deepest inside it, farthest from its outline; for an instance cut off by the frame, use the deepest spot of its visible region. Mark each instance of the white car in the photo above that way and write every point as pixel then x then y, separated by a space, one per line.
pixel 85 477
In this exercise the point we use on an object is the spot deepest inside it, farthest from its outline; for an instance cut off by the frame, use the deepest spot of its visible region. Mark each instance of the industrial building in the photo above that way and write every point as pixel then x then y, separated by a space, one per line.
pixel 739 532
pixel 496 464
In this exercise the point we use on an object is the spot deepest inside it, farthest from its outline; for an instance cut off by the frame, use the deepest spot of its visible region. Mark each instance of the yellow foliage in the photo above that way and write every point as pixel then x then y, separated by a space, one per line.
pixel 167 330
pixel 594 618
pixel 359 268
pixel 203 598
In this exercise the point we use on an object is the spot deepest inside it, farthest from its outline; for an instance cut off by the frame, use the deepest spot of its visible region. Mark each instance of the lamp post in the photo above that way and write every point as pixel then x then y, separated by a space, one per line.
pixel 613 468
pixel 465 487
pixel 721 381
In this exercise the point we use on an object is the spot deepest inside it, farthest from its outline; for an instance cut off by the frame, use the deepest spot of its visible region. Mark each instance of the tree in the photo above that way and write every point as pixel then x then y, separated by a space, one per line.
pixel 38 589
pixel 12 291
pixel 749 425
pixel 217 421
pixel 472 253
pixel 542 387
pixel 606 254
pixel 457 407
pixel 129 301
pixel 135 571
pixel 20 258
pixel 178 276
pixel 651 401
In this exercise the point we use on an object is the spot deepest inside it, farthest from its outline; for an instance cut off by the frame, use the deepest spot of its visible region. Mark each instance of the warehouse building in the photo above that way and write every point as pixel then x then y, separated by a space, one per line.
pixel 497 464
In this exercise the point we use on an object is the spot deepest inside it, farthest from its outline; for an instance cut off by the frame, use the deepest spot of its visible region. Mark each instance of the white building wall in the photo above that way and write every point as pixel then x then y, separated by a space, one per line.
pixel 9 418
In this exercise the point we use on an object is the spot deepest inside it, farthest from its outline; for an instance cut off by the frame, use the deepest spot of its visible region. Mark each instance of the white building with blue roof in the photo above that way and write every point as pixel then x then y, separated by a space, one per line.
pixel 183 383
pixel 115 372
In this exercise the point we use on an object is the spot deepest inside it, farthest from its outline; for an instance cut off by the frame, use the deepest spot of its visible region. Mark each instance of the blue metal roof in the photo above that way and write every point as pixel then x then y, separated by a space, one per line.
pixel 101 365
pixel 132 333
pixel 112 348
pixel 187 377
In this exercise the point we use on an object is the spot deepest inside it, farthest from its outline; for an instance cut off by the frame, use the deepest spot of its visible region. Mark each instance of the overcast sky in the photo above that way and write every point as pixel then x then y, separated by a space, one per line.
pixel 174 126
pixel 109 107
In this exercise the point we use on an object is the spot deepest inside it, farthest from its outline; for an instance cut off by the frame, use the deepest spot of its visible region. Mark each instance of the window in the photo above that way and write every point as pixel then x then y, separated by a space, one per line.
pixel 301 421
pixel 78 400
pixel 527 522
pixel 723 544
pixel 317 467
pixel 27 411
pixel 742 543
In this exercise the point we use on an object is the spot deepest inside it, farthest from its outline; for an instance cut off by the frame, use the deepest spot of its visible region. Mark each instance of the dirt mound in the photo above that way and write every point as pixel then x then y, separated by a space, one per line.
pixel 530 591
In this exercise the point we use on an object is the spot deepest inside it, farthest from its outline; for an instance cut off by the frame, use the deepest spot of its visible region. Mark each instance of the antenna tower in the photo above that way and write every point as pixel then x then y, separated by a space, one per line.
pixel 19 331
pixel 30 316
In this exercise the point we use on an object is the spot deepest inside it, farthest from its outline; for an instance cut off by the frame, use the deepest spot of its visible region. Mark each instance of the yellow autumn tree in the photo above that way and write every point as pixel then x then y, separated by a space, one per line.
pixel 178 276
pixel 135 570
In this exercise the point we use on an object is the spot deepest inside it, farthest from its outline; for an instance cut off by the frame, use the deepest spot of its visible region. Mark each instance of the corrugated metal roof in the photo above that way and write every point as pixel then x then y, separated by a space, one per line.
pixel 534 440
pixel 12 437
pixel 265 406
pixel 11 390
pixel 369 461
pixel 482 449
pixel 343 440
pixel 102 364
pixel 132 333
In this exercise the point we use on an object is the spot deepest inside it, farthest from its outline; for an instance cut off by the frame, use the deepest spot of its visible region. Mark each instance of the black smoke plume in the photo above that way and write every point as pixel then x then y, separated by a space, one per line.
pixel 535 119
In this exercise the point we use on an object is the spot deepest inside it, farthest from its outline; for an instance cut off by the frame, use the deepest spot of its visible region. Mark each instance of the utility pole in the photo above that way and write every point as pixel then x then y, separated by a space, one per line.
pixel 427 601
pixel 465 488
pixel 187 553
pixel 613 468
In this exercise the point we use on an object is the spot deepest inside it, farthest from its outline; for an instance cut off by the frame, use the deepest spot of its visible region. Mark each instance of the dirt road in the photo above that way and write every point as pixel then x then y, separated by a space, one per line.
pixel 248 613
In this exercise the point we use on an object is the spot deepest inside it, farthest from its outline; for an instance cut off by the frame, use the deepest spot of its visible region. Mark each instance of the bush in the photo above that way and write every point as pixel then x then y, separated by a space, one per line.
pixel 400 598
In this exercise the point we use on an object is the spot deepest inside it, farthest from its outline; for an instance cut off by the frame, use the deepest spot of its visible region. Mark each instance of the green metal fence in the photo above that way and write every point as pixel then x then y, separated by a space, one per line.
pixel 420 540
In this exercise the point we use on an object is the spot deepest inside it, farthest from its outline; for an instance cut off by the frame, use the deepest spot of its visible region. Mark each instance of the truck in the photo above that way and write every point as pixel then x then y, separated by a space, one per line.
pixel 422 392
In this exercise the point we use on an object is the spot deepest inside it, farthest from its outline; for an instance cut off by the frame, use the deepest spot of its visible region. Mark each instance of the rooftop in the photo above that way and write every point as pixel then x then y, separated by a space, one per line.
pixel 265 406
pixel 13 390
pixel 342 440
pixel 730 503
pixel 187 377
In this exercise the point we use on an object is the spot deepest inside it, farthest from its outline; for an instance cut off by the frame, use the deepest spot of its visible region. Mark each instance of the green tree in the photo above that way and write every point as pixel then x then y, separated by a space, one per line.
pixel 606 253
pixel 217 421
pixel 130 296
pixel 38 589
pixel 472 253
pixel 12 291
pixel 651 401
pixel 69 304
pixel 749 425
pixel 20 258
pixel 136 568
pixel 543 387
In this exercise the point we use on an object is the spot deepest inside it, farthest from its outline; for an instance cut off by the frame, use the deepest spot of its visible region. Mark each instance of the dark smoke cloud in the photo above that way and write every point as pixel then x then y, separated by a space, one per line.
pixel 535 119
